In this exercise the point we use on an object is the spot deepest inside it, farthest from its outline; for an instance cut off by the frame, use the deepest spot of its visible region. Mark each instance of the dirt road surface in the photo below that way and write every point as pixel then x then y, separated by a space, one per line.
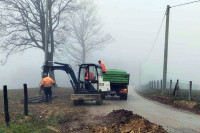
pixel 173 120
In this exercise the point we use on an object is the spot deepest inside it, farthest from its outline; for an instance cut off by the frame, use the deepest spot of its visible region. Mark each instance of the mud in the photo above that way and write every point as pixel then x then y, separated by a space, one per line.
pixel 123 121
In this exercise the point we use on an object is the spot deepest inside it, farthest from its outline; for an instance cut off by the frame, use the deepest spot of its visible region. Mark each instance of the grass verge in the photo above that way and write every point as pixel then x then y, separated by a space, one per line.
pixel 180 101
pixel 33 124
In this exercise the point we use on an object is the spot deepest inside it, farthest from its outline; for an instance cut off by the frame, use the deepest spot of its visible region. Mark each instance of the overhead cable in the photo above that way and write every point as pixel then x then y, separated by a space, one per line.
pixel 155 38
pixel 185 3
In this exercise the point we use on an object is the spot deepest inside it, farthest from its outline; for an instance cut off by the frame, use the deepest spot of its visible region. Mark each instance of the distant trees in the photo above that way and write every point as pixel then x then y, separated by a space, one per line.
pixel 22 25
pixel 86 33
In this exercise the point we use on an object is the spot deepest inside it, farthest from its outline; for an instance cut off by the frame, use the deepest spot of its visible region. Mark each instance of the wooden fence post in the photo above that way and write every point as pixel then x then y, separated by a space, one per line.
pixel 190 91
pixel 170 87
pixel 6 112
pixel 157 84
pixel 149 85
pixel 25 100
pixel 161 85
pixel 176 89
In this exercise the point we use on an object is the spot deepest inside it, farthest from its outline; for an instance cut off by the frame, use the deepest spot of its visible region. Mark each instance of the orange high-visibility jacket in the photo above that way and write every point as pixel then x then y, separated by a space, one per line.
pixel 103 67
pixel 47 82
pixel 87 76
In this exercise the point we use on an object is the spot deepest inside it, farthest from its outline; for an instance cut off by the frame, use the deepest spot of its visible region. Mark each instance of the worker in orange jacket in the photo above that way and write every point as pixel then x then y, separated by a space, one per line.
pixel 46 83
pixel 88 75
pixel 103 66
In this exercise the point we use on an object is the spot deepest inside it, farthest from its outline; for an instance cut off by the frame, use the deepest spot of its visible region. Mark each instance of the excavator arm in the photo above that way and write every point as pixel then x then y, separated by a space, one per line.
pixel 64 67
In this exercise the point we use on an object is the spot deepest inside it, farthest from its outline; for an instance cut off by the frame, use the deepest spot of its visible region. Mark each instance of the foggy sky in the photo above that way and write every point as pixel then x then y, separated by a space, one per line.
pixel 134 25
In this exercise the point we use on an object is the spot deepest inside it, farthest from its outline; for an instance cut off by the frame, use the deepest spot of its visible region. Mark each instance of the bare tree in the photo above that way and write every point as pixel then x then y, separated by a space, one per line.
pixel 22 25
pixel 86 34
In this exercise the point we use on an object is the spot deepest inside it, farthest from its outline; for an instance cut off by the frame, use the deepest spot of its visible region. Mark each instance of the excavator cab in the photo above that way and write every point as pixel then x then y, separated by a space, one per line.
pixel 88 84
pixel 86 87
pixel 88 78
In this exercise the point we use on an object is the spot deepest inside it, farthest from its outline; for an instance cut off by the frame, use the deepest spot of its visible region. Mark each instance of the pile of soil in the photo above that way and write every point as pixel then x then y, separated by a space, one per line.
pixel 123 121
pixel 120 116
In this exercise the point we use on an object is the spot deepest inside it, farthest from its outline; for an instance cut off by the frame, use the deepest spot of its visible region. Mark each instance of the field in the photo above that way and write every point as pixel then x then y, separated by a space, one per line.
pixel 181 101
pixel 62 116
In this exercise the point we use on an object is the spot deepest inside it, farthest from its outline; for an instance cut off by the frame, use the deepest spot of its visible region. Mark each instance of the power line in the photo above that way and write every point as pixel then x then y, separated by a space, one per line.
pixel 155 38
pixel 185 3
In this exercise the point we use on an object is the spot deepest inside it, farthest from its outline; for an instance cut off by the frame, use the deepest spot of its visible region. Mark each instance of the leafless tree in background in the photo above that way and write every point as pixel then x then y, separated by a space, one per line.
pixel 22 25
pixel 86 34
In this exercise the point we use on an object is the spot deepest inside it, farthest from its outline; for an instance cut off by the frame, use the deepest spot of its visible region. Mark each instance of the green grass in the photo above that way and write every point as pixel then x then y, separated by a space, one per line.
pixel 25 127
pixel 35 125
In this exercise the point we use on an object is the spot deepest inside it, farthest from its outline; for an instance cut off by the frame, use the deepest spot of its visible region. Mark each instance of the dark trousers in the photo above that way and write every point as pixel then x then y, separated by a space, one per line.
pixel 48 94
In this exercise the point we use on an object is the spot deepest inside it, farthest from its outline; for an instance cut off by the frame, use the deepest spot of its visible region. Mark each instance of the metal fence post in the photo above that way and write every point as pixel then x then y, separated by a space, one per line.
pixel 190 91
pixel 25 100
pixel 6 112
pixel 161 85
pixel 152 84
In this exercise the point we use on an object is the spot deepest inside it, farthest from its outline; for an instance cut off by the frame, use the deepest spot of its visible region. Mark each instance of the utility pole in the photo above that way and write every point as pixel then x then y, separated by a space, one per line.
pixel 46 32
pixel 166 49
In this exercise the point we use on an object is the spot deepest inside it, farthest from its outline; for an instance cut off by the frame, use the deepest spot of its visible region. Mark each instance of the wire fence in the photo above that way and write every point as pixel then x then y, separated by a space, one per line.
pixel 181 89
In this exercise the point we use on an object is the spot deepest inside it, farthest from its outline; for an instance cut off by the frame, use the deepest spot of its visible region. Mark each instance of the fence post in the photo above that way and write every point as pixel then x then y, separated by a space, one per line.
pixel 149 85
pixel 157 84
pixel 190 91
pixel 152 84
pixel 25 100
pixel 6 112
pixel 170 87
pixel 170 84
pixel 177 88
pixel 161 85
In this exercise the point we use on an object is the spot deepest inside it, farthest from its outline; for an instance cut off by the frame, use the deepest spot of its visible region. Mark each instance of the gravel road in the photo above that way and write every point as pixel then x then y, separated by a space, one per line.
pixel 173 120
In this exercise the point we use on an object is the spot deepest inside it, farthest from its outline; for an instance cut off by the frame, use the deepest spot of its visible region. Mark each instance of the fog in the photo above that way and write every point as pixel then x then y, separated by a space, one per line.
pixel 133 25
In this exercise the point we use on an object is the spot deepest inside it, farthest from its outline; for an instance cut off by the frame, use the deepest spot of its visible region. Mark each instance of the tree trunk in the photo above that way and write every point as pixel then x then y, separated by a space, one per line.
pixel 51 73
pixel 84 54
pixel 51 53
